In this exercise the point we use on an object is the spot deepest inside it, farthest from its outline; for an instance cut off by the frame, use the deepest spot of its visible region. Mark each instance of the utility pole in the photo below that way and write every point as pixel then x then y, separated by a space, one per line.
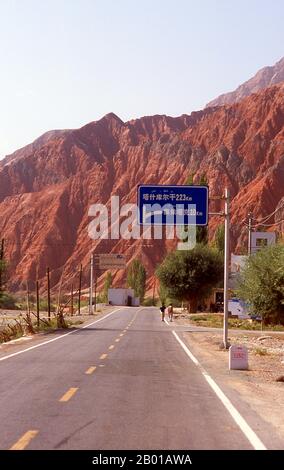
pixel 37 303
pixel 28 300
pixel 226 266
pixel 80 287
pixel 249 232
pixel 72 300
pixel 91 284
pixel 1 264
pixel 154 289
pixel 48 292
pixel 95 306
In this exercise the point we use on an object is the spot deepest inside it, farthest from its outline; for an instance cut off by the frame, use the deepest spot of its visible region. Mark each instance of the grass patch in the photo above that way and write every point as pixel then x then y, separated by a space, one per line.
pixel 260 352
pixel 216 321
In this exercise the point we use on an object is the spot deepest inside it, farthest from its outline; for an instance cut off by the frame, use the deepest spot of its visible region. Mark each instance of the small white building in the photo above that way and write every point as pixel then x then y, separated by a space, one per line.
pixel 260 240
pixel 123 297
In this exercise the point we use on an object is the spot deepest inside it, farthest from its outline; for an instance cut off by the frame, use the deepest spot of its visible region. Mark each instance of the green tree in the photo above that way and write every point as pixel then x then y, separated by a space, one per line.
pixel 262 283
pixel 162 291
pixel 107 286
pixel 136 278
pixel 190 179
pixel 190 275
pixel 219 239
pixel 201 232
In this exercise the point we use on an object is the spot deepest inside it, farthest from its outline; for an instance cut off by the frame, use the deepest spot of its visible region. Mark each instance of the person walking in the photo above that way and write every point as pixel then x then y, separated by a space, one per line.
pixel 170 312
pixel 162 310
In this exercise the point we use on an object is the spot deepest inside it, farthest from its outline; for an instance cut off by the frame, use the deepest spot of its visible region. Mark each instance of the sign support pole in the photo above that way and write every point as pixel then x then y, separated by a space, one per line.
pixel 226 266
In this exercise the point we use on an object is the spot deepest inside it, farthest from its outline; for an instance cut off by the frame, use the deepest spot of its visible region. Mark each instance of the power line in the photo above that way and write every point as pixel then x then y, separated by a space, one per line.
pixel 267 217
pixel 265 225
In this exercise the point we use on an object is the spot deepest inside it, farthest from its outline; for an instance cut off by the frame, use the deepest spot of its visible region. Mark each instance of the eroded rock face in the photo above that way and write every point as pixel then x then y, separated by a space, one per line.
pixel 264 78
pixel 46 188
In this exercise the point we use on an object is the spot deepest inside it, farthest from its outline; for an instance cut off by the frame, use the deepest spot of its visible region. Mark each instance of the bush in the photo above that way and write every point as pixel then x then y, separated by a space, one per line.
pixel 262 284
pixel 8 301
pixel 148 302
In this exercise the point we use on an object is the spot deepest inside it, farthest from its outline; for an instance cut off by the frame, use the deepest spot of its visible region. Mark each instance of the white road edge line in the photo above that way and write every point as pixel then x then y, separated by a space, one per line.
pixel 59 337
pixel 256 443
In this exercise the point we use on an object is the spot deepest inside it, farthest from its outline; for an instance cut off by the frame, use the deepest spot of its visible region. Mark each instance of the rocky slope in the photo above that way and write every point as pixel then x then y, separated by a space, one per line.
pixel 46 188
pixel 264 78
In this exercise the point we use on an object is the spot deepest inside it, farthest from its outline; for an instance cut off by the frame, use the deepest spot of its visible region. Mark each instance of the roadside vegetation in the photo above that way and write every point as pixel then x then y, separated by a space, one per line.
pixel 262 284
pixel 216 321
pixel 189 276
pixel 24 325
pixel 136 279
pixel 107 286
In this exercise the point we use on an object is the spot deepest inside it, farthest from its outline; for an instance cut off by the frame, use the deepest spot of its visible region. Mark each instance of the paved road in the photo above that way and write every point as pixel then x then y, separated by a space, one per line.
pixel 121 383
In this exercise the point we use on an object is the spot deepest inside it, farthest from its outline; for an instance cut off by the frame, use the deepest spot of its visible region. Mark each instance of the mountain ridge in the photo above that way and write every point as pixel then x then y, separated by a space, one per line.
pixel 264 78
pixel 46 190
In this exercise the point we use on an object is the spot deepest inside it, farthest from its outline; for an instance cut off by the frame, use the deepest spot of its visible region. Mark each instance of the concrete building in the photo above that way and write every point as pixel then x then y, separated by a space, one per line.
pixel 123 297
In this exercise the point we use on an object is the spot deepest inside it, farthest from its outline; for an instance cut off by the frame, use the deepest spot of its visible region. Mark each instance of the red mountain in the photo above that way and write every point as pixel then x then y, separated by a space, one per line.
pixel 268 76
pixel 46 188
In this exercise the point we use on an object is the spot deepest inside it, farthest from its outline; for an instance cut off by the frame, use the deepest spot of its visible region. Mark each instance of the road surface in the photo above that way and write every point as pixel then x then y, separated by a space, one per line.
pixel 123 382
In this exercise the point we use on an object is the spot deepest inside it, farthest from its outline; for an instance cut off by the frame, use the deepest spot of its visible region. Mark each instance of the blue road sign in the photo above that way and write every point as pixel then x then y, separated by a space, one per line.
pixel 173 205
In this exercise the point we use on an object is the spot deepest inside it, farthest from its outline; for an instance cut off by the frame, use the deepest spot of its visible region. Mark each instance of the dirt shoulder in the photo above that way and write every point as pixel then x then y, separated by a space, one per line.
pixel 258 386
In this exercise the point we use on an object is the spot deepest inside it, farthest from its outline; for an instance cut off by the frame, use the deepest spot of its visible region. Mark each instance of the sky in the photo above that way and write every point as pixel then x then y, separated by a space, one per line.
pixel 64 63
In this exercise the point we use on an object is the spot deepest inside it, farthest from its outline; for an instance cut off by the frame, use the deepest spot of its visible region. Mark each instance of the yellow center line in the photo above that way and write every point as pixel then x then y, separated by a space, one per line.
pixel 90 370
pixel 69 394
pixel 24 441
pixel 111 347
pixel 103 356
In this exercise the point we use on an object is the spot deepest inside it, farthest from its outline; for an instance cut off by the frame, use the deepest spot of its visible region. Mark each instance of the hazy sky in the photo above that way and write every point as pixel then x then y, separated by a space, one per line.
pixel 64 63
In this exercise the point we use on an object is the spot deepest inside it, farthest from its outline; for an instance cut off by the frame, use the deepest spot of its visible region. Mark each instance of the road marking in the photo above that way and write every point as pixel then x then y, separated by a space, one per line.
pixel 24 441
pixel 59 337
pixel 256 443
pixel 103 356
pixel 101 365
pixel 111 347
pixel 122 334
pixel 90 370
pixel 69 394
pixel 124 331
pixel 117 340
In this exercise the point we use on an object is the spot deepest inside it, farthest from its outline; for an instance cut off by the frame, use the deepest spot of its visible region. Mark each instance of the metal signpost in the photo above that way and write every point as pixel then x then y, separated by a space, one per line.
pixel 181 198
pixel 103 262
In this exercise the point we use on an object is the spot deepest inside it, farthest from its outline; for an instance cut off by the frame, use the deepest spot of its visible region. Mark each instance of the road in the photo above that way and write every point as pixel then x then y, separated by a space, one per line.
pixel 123 382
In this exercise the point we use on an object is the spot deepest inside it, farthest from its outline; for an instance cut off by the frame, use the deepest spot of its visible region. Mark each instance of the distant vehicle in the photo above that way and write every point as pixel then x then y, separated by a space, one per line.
pixel 239 308
pixel 256 317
